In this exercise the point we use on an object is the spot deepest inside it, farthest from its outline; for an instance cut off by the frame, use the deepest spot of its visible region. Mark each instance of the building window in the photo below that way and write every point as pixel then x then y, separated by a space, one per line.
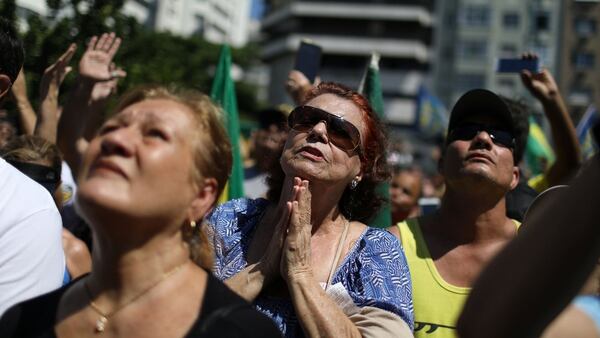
pixel 583 60
pixel 542 21
pixel 507 83
pixel 199 25
pixel 508 50
pixel 472 49
pixel 511 20
pixel 580 97
pixel 470 81
pixel 475 15
pixel 450 20
pixel 585 27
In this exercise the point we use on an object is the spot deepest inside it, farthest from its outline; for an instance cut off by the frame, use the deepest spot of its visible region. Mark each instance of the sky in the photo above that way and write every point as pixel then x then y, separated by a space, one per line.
pixel 258 8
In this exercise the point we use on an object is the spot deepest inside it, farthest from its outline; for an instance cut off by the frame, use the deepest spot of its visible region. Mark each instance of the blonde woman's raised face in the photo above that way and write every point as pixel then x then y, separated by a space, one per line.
pixel 140 164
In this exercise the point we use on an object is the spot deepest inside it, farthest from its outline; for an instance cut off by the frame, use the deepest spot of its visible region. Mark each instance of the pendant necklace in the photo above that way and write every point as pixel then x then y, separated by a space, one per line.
pixel 105 316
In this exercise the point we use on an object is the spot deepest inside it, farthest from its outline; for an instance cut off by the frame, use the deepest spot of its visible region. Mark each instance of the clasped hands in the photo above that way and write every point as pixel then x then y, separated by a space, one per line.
pixel 289 251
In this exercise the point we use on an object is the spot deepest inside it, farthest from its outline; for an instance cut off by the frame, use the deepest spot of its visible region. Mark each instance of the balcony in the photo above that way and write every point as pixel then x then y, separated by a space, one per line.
pixel 350 11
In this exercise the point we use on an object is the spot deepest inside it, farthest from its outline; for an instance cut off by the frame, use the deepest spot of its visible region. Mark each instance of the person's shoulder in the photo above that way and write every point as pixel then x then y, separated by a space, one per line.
pixel 374 236
pixel 32 317
pixel 379 242
pixel 20 196
pixel 238 215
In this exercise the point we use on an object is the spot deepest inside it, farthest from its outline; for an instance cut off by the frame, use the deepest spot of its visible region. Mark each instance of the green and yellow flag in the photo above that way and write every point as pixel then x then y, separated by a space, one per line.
pixel 370 87
pixel 538 149
pixel 223 92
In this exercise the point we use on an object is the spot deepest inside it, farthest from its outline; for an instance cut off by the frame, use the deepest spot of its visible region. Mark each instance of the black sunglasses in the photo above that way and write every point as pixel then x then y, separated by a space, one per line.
pixel 467 132
pixel 340 132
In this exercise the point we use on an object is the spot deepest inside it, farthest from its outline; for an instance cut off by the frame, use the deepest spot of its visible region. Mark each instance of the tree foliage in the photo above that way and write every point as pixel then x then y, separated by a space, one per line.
pixel 147 56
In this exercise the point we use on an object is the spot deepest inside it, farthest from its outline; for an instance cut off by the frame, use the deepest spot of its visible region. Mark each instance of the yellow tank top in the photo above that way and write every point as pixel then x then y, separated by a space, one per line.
pixel 437 304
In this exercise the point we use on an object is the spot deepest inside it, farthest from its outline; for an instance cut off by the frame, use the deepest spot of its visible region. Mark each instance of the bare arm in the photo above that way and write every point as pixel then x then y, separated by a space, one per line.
pixel 566 144
pixel 249 282
pixel 572 323
pixel 94 68
pixel 54 75
pixel 298 86
pixel 27 115
pixel 317 313
pixel 557 249
pixel 71 122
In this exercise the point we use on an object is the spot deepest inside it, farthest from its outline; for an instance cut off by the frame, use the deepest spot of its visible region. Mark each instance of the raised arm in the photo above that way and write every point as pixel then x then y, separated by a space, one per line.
pixel 54 75
pixel 297 86
pixel 527 285
pixel 27 115
pixel 568 153
pixel 94 68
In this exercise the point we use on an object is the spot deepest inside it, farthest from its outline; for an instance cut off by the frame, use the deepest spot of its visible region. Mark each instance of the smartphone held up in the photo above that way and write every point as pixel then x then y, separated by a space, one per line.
pixel 516 65
pixel 308 59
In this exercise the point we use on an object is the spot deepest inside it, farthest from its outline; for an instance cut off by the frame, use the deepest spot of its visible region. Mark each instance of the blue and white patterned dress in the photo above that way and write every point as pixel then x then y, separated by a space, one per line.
pixel 374 272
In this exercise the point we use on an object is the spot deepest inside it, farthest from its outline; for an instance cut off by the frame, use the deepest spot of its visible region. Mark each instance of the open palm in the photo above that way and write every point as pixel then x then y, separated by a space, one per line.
pixel 95 62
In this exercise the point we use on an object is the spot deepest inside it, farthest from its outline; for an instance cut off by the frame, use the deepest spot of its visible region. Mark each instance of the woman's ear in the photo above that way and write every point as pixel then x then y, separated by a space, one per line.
pixel 204 199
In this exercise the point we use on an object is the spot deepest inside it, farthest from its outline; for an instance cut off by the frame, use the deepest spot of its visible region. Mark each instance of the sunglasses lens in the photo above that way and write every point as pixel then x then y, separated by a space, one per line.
pixel 463 133
pixel 469 131
pixel 502 137
pixel 301 121
pixel 342 134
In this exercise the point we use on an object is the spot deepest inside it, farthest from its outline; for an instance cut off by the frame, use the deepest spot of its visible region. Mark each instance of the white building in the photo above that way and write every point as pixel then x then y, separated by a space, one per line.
pixel 472 34
pixel 219 21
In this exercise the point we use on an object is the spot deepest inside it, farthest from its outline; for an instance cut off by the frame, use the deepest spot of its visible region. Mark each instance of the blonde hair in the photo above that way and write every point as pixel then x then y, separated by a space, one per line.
pixel 212 154
pixel 33 149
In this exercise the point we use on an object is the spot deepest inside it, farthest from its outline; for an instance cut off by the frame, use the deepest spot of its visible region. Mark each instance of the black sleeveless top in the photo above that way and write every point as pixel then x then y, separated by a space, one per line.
pixel 224 314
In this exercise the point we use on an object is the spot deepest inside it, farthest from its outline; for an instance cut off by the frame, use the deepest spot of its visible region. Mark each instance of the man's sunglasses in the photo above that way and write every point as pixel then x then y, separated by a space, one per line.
pixel 467 132
pixel 340 132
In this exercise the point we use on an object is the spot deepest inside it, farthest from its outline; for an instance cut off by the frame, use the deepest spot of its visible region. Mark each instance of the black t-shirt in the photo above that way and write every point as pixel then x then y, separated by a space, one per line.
pixel 519 199
pixel 224 314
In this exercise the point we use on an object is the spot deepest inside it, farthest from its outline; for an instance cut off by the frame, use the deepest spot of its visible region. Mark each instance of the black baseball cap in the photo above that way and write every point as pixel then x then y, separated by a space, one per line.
pixel 481 102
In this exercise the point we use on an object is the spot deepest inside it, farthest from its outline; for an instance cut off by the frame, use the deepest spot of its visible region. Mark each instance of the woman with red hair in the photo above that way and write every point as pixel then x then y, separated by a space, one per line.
pixel 305 256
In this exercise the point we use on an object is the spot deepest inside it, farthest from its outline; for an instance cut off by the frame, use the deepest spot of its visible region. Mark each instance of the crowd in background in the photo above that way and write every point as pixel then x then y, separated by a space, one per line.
pixel 109 221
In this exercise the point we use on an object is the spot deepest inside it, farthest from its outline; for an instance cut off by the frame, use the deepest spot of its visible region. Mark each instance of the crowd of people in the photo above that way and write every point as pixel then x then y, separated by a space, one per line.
pixel 110 224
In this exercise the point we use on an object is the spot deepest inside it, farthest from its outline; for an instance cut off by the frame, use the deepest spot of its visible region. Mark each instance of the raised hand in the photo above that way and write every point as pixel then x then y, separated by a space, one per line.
pixel 95 62
pixel 53 78
pixel 297 85
pixel 104 89
pixel 49 88
pixel 541 85
pixel 271 259
pixel 295 257
pixel 19 88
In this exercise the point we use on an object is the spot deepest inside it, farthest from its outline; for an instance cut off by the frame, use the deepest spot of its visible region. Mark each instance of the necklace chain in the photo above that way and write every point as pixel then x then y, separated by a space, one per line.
pixel 105 316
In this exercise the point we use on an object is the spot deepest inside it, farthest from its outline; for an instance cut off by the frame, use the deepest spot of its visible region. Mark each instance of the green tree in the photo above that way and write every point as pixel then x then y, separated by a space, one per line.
pixel 147 56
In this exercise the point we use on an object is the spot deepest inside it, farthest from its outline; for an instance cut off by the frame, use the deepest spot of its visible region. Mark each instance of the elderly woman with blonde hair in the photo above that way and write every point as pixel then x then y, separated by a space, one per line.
pixel 147 179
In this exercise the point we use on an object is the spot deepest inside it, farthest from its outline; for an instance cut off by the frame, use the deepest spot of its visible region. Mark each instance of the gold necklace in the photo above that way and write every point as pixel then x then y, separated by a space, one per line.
pixel 105 316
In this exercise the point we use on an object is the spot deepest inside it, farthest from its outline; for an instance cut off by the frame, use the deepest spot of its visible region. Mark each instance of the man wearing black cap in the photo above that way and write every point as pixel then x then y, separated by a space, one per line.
pixel 447 250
